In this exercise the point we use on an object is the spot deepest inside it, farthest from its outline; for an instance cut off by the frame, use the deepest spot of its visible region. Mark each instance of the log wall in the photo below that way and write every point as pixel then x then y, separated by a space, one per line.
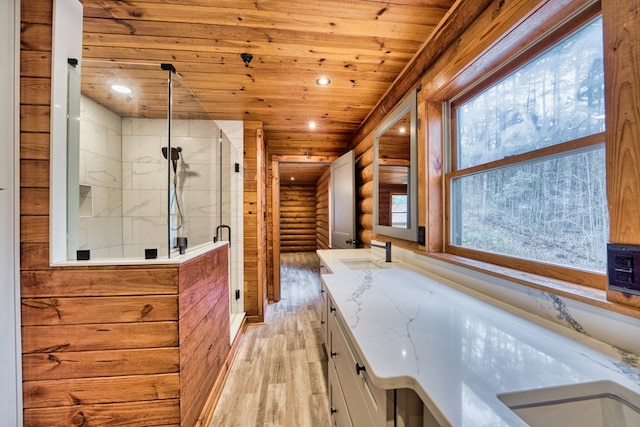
pixel 297 218
pixel 322 210
pixel 125 343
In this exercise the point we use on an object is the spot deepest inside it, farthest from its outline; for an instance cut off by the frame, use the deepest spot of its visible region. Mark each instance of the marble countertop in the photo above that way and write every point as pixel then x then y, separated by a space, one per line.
pixel 456 351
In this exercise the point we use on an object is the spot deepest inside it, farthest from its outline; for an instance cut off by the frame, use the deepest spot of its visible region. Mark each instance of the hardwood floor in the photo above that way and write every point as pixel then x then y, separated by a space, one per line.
pixel 279 375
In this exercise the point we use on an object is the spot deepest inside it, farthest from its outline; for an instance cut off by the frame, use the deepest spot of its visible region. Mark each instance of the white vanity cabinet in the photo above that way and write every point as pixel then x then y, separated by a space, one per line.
pixel 366 404
pixel 353 398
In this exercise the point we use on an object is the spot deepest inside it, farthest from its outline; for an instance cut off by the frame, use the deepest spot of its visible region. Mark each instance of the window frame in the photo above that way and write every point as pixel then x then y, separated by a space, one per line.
pixel 405 212
pixel 554 271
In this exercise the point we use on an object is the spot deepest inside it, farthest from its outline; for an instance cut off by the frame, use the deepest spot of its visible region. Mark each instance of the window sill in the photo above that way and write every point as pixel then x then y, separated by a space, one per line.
pixel 584 294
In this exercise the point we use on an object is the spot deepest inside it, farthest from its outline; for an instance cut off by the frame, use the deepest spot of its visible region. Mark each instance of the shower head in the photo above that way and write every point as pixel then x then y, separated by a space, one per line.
pixel 175 152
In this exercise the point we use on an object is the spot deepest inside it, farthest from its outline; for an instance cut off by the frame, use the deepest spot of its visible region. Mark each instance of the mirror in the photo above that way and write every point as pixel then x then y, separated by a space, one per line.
pixel 395 173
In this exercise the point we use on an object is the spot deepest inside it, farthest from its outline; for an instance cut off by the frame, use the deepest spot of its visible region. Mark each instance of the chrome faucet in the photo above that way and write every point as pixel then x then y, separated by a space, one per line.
pixel 386 247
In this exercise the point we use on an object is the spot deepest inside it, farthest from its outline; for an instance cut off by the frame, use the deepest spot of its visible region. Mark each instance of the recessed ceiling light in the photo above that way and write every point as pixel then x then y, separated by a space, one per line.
pixel 293 179
pixel 323 81
pixel 312 125
pixel 402 130
pixel 121 89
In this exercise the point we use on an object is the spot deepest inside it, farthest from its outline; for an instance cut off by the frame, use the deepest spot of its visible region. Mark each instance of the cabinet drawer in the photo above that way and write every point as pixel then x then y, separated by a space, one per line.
pixel 337 405
pixel 367 404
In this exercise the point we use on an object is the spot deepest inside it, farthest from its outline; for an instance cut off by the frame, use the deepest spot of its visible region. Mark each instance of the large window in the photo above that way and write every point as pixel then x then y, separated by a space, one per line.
pixel 528 165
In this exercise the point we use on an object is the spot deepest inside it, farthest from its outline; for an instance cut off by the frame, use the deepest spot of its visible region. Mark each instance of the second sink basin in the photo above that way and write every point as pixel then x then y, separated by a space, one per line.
pixel 600 403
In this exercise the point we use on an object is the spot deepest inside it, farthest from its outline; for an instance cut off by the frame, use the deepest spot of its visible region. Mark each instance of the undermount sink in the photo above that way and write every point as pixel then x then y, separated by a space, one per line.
pixel 363 264
pixel 600 403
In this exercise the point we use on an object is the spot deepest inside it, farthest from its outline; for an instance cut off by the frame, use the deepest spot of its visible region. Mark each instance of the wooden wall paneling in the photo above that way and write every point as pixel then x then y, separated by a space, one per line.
pixel 431 170
pixel 94 391
pixel 154 413
pixel 270 235
pixel 261 159
pixel 621 53
pixel 204 329
pixel 74 310
pixel 34 146
pixel 622 49
pixel 88 364
pixel 422 162
pixel 99 336
pixel 253 221
pixel 322 210
pixel 96 281
pixel 275 228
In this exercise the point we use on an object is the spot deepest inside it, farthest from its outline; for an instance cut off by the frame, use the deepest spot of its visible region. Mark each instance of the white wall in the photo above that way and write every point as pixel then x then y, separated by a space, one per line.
pixel 10 362
pixel 144 183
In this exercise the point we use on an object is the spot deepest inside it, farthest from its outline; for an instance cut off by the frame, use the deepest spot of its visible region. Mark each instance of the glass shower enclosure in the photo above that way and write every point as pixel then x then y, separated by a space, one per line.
pixel 150 174
pixel 148 164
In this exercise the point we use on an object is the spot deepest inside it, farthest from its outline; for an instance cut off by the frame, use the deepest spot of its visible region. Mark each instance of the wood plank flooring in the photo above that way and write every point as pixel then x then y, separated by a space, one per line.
pixel 279 375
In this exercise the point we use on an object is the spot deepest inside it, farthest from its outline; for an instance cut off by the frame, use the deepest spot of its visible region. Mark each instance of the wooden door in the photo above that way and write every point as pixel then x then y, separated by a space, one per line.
pixel 343 202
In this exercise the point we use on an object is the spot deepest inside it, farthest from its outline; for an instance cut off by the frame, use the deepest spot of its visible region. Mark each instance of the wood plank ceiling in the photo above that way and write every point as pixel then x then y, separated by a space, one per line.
pixel 360 45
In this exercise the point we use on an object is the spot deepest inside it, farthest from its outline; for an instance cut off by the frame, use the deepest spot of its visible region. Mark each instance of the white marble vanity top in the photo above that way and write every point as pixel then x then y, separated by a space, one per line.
pixel 456 351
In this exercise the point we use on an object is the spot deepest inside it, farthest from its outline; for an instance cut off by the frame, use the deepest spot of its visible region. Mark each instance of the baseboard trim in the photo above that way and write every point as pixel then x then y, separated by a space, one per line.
pixel 255 319
pixel 214 395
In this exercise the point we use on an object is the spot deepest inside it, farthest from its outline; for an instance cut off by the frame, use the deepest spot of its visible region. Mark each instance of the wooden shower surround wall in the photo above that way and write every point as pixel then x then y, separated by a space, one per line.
pixel 143 344
pixel 275 207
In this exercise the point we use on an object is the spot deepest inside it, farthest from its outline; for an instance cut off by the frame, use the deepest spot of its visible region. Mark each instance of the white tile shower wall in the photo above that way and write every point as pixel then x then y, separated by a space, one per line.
pixel 100 169
pixel 145 200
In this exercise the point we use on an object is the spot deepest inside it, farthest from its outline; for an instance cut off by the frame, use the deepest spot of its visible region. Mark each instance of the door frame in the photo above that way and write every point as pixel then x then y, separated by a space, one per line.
pixel 11 403
pixel 275 207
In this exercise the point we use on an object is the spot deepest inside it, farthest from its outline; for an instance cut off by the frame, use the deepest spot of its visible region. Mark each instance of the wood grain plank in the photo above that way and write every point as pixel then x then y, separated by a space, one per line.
pixel 81 310
pixel 34 256
pixel 34 201
pixel 34 229
pixel 93 337
pixel 94 281
pixel 35 146
pixel 34 173
pixel 90 391
pixel 154 413
pixel 89 364
pixel 622 48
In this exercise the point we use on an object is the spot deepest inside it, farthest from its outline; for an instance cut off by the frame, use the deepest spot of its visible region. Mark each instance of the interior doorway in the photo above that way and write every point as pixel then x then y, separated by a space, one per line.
pixel 304 170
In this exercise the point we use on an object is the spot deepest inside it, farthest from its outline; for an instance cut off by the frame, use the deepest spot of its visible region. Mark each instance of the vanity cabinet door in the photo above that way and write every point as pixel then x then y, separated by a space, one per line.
pixel 338 406
pixel 367 405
